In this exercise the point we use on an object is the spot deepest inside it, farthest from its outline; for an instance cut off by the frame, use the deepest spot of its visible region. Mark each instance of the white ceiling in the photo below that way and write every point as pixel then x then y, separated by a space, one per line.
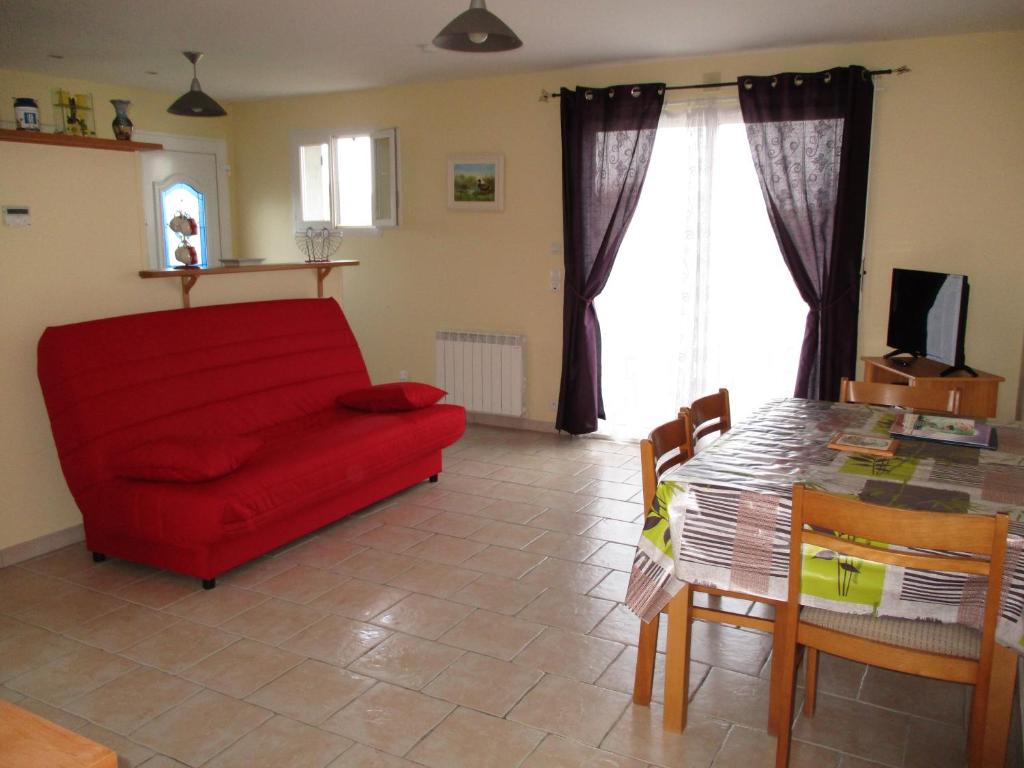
pixel 259 48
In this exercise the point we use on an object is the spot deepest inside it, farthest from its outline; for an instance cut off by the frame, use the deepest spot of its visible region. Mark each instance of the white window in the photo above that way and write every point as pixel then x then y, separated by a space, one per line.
pixel 345 180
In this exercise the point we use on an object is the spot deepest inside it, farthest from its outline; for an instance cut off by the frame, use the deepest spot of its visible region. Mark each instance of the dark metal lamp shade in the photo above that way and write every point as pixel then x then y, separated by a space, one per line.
pixel 477 31
pixel 195 103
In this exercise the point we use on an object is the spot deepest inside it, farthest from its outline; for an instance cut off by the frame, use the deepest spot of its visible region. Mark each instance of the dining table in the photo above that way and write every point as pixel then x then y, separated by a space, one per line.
pixel 722 520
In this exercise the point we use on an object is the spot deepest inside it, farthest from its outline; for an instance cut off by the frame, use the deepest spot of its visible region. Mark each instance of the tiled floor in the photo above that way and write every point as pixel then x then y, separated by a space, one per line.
pixel 475 622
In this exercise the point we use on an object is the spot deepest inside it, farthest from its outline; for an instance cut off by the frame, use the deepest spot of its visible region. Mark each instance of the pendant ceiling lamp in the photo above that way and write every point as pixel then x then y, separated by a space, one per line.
pixel 195 103
pixel 477 31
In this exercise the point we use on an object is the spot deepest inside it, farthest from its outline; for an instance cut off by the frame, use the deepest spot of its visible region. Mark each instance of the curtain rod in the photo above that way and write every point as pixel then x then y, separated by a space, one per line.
pixel 546 95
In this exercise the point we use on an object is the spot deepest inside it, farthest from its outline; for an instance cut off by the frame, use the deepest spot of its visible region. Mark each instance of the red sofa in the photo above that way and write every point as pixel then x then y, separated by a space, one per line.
pixel 197 439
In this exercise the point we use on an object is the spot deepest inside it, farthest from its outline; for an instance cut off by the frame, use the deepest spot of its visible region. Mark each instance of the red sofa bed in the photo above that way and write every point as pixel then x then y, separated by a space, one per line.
pixel 197 439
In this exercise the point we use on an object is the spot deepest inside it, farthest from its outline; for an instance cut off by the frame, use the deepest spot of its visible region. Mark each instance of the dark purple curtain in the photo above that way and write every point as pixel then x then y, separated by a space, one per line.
pixel 809 135
pixel 607 137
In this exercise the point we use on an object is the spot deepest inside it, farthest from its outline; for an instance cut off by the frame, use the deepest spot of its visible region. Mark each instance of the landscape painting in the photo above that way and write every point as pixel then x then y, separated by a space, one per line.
pixel 475 183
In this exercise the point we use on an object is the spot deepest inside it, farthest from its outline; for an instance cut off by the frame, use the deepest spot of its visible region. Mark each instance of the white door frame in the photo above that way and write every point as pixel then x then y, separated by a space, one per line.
pixel 199 145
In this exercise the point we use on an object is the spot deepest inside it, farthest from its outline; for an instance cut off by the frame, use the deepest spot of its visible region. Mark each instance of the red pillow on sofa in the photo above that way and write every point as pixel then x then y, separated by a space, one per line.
pixel 190 459
pixel 396 396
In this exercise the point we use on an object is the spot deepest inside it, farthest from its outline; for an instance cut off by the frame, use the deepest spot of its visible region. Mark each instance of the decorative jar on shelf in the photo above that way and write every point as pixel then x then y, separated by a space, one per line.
pixel 122 125
pixel 26 113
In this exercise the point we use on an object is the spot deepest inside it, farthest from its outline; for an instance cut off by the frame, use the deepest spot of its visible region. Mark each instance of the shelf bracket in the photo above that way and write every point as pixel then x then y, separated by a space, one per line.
pixel 321 275
pixel 187 281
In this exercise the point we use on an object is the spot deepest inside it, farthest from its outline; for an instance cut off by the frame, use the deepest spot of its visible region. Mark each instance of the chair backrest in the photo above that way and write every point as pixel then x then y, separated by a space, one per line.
pixel 710 414
pixel 918 398
pixel 673 439
pixel 958 543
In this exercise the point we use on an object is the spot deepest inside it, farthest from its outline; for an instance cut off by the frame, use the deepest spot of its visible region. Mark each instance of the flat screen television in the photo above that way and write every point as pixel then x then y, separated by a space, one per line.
pixel 928 316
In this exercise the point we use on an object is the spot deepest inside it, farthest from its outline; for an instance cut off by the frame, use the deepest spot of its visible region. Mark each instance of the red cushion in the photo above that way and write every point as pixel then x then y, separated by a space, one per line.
pixel 396 396
pixel 191 459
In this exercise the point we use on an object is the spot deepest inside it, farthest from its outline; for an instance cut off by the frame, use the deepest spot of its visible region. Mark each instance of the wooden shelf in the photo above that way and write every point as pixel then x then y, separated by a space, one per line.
pixel 189 276
pixel 979 394
pixel 85 142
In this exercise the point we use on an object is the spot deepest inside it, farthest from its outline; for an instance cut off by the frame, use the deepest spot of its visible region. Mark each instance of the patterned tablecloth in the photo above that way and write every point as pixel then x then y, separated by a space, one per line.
pixel 722 519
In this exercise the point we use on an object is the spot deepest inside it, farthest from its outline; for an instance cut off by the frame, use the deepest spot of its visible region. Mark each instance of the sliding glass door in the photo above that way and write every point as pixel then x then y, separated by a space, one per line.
pixel 699 297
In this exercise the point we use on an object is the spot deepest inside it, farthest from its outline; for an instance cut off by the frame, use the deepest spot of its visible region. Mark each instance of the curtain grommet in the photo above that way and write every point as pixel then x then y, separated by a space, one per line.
pixel 798 81
pixel 636 91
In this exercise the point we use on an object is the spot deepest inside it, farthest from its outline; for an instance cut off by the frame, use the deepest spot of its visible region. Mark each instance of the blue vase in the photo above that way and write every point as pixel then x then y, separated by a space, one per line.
pixel 122 125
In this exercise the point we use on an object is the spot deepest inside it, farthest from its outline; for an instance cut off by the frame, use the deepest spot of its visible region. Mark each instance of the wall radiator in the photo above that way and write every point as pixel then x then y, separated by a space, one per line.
pixel 482 372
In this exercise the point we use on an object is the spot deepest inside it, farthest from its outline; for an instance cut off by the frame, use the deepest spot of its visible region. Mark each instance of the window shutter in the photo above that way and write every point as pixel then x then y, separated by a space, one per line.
pixel 385 181
pixel 312 185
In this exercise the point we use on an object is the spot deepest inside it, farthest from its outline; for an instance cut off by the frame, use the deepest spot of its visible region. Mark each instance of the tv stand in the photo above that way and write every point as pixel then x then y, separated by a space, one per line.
pixel 895 352
pixel 979 391
pixel 954 368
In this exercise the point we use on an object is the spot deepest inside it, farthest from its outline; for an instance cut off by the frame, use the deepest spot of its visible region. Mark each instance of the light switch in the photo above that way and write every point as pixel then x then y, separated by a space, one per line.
pixel 17 216
pixel 556 279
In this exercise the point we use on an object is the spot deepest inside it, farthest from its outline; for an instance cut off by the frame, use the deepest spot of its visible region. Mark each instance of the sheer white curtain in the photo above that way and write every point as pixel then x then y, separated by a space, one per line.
pixel 699 297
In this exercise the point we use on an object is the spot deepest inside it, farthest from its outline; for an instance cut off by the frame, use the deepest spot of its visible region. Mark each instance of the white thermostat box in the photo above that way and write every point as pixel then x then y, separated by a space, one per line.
pixel 17 216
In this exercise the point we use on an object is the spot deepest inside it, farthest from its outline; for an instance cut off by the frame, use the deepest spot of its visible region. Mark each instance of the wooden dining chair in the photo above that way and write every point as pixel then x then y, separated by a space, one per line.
pixel 959 543
pixel 710 414
pixel 667 446
pixel 918 398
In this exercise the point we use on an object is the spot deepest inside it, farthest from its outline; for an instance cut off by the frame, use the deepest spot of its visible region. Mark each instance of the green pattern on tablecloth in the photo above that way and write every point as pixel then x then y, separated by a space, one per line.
pixel 656 527
pixel 841 578
pixel 897 467
pixel 883 424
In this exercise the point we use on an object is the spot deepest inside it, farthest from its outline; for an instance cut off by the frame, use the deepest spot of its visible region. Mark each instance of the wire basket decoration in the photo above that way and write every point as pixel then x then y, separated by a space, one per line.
pixel 318 245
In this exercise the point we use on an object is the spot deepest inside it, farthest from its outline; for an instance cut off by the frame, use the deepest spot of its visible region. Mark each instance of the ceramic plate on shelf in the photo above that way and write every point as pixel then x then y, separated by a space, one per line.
pixel 240 262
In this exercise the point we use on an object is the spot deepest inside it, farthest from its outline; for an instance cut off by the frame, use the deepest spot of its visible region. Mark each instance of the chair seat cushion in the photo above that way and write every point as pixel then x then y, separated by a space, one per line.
pixel 920 635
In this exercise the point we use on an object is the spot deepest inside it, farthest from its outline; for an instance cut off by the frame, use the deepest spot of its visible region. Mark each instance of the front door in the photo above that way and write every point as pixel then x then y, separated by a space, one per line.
pixel 187 177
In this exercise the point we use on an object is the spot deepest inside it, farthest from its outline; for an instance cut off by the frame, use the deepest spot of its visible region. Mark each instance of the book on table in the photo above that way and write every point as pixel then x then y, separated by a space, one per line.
pixel 951 430
pixel 871 445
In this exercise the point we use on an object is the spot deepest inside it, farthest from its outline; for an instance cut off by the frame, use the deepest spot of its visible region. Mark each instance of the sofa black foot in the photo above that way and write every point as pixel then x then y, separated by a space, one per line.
pixel 98 557
pixel 433 478
pixel 209 583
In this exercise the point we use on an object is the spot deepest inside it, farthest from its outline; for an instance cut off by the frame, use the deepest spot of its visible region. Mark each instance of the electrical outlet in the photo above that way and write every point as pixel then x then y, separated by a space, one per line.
pixel 553 406
pixel 403 375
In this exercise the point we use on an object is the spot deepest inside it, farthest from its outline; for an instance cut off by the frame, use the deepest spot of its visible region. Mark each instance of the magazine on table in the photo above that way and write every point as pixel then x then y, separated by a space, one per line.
pixel 952 430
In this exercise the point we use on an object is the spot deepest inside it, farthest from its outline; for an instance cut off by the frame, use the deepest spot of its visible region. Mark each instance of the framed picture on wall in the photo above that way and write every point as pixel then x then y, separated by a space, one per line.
pixel 476 182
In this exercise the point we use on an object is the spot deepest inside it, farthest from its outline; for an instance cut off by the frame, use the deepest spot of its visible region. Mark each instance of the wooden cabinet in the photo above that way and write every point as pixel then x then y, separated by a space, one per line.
pixel 28 740
pixel 979 394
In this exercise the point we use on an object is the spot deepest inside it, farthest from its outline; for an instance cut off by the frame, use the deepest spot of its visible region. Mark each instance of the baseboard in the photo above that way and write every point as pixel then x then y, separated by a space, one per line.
pixel 509 422
pixel 26 550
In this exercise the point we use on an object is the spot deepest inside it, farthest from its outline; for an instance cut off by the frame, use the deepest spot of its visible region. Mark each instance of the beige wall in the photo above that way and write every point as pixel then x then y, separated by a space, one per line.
pixel 944 194
pixel 79 260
